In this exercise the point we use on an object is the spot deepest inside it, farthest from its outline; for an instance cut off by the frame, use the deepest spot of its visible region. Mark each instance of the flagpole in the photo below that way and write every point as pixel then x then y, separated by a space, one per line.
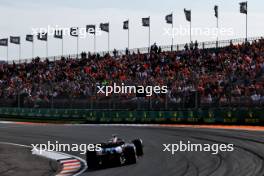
pixel 149 33
pixel 128 35
pixel 62 47
pixel 78 46
pixel 190 30
pixel 47 51
pixel 246 20
pixel 19 52
pixel 217 32
pixel 108 41
pixel 172 32
pixel 7 54
pixel 94 42
pixel 33 49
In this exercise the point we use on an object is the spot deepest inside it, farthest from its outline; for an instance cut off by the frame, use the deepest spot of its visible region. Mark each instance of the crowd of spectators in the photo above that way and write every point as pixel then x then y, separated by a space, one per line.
pixel 217 76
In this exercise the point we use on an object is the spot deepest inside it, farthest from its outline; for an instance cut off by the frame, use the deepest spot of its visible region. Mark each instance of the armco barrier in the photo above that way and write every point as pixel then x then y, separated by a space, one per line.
pixel 224 115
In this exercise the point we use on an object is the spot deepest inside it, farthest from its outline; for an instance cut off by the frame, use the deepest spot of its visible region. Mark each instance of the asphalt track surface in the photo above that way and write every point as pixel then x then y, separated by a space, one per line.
pixel 18 161
pixel 246 160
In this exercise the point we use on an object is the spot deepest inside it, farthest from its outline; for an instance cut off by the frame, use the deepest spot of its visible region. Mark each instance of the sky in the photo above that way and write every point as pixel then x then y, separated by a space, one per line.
pixel 19 17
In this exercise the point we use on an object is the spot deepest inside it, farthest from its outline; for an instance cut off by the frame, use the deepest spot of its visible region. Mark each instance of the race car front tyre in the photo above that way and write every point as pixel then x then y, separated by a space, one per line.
pixel 130 155
pixel 139 147
pixel 91 159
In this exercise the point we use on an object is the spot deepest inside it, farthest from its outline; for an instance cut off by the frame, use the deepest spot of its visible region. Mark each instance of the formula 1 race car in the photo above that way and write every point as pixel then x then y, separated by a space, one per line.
pixel 115 152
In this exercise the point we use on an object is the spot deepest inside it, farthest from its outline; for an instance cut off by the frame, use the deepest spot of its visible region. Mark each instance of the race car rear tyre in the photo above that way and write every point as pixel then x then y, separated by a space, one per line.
pixel 130 155
pixel 91 159
pixel 139 147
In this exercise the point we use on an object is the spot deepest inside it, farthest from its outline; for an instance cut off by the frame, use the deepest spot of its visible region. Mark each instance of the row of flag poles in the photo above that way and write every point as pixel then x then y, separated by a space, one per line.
pixel 74 32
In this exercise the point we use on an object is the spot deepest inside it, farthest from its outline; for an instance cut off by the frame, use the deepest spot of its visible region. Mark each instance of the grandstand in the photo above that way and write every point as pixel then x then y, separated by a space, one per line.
pixel 198 75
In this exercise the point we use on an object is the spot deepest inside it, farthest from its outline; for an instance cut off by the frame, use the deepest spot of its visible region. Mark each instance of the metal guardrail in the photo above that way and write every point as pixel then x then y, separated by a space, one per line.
pixel 251 116
pixel 115 103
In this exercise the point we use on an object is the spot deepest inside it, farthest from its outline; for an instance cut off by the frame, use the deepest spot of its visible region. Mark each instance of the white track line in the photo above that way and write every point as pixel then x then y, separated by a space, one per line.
pixel 6 122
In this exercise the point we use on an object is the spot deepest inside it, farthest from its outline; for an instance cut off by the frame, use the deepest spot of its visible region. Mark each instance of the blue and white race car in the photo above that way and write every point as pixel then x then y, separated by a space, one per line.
pixel 115 152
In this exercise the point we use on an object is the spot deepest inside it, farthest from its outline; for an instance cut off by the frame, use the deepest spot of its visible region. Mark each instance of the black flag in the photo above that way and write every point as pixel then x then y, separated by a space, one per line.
pixel 169 18
pixel 146 22
pixel 243 7
pixel 43 36
pixel 126 25
pixel 104 27
pixel 188 15
pixel 4 42
pixel 74 31
pixel 29 38
pixel 58 34
pixel 90 29
pixel 15 40
pixel 216 11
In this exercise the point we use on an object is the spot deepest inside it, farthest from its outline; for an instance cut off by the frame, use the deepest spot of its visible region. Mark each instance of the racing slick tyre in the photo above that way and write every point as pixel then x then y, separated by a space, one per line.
pixel 91 159
pixel 139 147
pixel 130 155
pixel 116 160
